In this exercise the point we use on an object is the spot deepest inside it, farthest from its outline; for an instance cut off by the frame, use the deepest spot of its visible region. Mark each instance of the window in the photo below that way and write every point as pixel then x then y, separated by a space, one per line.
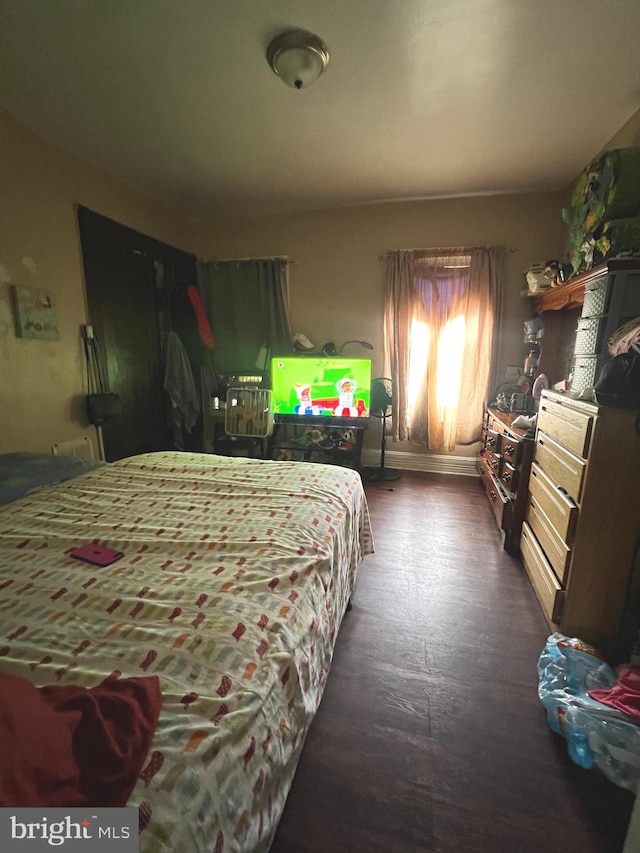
pixel 439 319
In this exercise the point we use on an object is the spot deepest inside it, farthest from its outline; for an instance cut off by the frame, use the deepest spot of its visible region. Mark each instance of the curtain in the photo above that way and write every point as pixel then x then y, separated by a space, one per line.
pixel 440 310
pixel 247 305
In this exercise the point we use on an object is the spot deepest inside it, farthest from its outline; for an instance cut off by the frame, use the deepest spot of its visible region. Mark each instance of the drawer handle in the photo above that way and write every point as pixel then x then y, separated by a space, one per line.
pixel 491 442
pixel 492 495
pixel 493 463
pixel 506 477
pixel 565 494
pixel 510 448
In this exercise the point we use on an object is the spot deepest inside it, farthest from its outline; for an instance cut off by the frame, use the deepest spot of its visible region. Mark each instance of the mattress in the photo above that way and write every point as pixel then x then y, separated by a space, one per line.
pixel 235 577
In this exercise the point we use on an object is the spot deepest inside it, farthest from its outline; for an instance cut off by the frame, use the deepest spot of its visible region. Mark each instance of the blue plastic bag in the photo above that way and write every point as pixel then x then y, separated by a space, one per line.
pixel 596 734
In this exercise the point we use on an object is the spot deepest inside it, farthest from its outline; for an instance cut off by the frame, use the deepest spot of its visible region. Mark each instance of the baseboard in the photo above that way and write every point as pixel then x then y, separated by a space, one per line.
pixel 435 463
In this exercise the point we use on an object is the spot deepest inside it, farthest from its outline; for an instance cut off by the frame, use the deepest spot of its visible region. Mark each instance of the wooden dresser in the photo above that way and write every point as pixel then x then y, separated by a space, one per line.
pixel 581 531
pixel 503 464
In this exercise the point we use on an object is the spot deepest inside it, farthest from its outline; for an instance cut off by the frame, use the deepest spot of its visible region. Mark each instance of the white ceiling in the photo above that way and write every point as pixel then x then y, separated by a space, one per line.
pixel 422 98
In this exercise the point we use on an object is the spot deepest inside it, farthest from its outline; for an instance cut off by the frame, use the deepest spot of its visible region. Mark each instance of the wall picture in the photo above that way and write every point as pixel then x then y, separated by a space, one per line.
pixel 36 313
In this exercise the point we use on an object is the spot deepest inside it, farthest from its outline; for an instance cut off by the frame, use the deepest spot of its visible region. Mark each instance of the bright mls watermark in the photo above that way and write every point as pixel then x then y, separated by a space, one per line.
pixel 79 830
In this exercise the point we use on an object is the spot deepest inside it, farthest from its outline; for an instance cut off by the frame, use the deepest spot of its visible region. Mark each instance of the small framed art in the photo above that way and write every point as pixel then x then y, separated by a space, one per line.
pixel 36 313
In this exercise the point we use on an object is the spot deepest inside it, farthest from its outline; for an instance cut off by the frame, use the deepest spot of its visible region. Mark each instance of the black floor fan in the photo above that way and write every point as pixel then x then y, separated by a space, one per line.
pixel 381 407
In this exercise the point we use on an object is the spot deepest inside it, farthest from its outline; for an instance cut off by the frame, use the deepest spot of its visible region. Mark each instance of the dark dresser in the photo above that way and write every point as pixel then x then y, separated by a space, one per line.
pixel 504 463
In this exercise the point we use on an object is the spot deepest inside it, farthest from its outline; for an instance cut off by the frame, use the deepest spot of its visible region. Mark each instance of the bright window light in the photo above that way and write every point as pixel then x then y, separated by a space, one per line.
pixel 450 351
pixel 418 360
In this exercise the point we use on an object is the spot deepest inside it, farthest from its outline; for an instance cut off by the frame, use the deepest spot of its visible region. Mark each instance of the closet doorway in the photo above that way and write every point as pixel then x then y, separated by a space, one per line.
pixel 136 294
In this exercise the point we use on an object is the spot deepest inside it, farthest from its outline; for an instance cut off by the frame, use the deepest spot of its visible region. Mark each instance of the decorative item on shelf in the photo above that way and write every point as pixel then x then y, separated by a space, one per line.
pixel 533 330
pixel 508 396
pixel 346 440
pixel 540 385
pixel 557 272
pixel 302 343
pixel 536 279
pixel 531 363
pixel 298 57
pixel 311 437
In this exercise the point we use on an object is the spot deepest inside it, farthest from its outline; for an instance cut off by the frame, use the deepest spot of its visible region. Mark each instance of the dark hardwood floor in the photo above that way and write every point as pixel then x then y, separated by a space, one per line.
pixel 430 735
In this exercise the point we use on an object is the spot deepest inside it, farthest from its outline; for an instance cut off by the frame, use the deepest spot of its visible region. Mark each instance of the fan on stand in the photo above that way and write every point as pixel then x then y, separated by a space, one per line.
pixel 381 407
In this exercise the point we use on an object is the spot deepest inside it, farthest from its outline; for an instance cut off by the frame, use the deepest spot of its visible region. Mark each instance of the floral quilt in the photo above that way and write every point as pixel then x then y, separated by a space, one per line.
pixel 234 579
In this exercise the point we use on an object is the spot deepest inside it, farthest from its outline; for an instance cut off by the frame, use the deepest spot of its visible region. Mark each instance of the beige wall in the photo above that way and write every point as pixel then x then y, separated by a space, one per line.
pixel 337 280
pixel 42 383
pixel 627 136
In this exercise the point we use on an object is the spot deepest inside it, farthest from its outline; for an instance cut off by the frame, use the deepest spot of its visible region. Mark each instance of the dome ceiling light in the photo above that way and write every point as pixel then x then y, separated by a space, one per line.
pixel 298 57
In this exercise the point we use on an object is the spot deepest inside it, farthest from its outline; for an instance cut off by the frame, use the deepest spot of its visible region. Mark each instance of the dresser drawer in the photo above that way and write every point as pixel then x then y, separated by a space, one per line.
pixel 492 441
pixel 596 297
pixel 509 477
pixel 493 461
pixel 562 467
pixel 510 449
pixel 570 427
pixel 585 372
pixel 500 503
pixel 550 593
pixel 589 336
pixel 556 549
pixel 554 502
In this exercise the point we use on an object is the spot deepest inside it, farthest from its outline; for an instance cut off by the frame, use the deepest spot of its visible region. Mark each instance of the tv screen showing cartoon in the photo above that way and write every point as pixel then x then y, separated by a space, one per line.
pixel 321 387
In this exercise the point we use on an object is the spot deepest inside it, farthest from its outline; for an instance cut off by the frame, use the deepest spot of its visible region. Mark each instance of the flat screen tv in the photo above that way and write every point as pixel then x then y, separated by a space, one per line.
pixel 321 389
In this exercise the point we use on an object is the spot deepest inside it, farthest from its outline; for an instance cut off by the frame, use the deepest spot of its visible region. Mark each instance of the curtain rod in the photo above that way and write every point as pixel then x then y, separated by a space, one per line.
pixel 440 249
pixel 257 258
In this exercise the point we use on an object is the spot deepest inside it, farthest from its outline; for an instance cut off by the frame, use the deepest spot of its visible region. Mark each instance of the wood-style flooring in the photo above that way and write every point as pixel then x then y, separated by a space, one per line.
pixel 430 735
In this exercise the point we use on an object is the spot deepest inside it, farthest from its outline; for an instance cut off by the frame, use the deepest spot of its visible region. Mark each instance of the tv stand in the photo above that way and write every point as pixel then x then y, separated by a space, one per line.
pixel 313 440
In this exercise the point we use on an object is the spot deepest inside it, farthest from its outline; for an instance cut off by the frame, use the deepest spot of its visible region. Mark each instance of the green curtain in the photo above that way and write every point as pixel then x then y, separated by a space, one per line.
pixel 247 305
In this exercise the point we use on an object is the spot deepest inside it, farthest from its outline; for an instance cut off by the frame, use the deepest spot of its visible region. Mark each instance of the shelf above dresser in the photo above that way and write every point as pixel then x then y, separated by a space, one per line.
pixel 571 293
pixel 580 316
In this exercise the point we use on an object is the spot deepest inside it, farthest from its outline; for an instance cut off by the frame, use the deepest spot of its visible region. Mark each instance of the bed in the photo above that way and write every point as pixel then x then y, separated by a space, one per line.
pixel 235 577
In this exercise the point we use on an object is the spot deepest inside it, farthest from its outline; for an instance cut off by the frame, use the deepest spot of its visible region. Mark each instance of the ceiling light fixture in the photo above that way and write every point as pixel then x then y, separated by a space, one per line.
pixel 298 57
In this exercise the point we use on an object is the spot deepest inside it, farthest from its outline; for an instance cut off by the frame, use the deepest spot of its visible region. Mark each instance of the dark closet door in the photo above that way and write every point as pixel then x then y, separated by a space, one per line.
pixel 136 292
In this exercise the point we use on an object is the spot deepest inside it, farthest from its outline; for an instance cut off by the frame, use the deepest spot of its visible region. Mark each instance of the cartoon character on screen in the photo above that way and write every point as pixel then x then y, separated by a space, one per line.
pixel 346 390
pixel 305 406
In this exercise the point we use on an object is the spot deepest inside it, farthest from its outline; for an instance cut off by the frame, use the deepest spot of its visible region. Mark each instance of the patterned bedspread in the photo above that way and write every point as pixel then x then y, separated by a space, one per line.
pixel 235 578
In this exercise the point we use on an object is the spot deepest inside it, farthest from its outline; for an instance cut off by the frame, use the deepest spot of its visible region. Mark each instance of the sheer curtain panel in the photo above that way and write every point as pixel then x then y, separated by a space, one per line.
pixel 440 311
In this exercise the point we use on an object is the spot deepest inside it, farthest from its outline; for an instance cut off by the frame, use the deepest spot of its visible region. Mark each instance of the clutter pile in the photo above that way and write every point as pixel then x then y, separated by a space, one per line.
pixel 604 215
pixel 596 710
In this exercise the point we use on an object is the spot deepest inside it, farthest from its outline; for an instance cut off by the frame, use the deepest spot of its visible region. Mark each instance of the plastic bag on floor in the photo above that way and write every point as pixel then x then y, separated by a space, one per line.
pixel 596 734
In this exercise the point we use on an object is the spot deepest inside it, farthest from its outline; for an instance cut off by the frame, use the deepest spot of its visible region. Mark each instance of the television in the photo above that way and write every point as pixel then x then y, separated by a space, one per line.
pixel 321 390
